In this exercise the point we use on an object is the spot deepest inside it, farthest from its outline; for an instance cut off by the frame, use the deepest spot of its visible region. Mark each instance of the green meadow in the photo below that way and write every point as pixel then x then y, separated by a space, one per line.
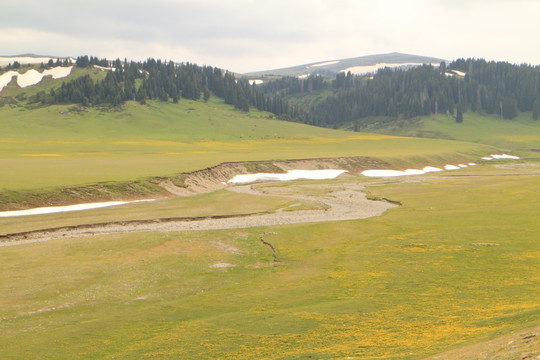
pixel 455 264
pixel 57 146
pixel 521 134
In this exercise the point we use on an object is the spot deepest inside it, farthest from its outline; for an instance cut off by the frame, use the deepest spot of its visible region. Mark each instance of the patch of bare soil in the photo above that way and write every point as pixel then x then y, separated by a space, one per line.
pixel 344 201
pixel 222 266
pixel 522 345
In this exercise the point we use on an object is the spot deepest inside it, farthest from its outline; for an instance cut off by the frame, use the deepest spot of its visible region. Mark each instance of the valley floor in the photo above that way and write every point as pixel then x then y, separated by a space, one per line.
pixel 454 265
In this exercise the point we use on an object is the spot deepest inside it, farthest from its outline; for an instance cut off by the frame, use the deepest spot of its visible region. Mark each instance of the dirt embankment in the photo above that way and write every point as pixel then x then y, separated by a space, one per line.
pixel 215 177
pixel 184 184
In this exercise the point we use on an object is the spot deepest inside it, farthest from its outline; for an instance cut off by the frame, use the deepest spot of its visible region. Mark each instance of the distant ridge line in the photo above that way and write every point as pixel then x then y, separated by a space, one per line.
pixel 332 67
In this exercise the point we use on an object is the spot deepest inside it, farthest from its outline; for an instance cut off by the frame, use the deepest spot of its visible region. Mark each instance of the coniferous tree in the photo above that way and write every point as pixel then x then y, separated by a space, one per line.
pixel 536 110
pixel 509 108
pixel 459 114
pixel 82 61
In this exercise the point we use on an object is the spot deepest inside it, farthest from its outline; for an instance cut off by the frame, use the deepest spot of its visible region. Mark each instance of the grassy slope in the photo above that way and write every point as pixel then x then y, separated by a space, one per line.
pixel 520 135
pixel 54 146
pixel 456 264
pixel 417 281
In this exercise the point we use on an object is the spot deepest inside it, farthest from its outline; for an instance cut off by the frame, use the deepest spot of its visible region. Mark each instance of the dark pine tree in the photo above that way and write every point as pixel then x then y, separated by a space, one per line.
pixel 536 110
pixel 509 108
pixel 459 114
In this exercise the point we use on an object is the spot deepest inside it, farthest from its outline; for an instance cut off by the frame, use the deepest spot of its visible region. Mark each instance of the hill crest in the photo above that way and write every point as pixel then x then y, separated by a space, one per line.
pixel 357 65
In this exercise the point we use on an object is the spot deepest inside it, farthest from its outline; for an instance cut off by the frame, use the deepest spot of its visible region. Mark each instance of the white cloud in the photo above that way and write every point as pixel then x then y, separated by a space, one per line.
pixel 249 35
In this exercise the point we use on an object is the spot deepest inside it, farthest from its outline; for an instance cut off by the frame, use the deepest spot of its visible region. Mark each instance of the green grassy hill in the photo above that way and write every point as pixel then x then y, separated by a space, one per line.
pixel 521 134
pixel 454 265
pixel 66 145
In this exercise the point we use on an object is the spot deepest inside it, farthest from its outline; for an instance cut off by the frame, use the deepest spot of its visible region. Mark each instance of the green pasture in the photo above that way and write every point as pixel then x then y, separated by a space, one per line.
pixel 67 145
pixel 521 134
pixel 456 264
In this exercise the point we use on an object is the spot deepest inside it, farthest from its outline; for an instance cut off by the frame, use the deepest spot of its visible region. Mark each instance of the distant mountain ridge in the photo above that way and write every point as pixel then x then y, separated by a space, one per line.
pixel 362 64
pixel 30 55
pixel 25 59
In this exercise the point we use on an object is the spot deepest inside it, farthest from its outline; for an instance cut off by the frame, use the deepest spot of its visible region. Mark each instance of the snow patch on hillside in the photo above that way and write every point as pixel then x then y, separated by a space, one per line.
pixel 33 77
pixel 393 173
pixel 427 169
pixel 290 175
pixel 57 209
pixel 325 63
pixel 29 78
pixel 256 82
pixel 6 78
pixel 501 156
pixel 103 68
pixel 58 72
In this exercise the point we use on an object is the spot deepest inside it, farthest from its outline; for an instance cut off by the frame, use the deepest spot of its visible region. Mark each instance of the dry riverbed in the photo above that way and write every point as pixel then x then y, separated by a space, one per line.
pixel 342 201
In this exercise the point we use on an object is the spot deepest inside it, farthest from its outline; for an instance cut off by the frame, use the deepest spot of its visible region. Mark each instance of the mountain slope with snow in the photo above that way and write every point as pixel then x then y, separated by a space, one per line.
pixel 33 77
pixel 357 65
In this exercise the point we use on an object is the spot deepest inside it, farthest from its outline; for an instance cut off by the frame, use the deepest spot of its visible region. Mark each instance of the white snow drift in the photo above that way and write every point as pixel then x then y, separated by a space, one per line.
pixel 5 78
pixel 392 173
pixel 57 209
pixel 427 169
pixel 103 68
pixel 29 78
pixel 325 63
pixel 501 156
pixel 451 167
pixel 290 175
pixel 33 77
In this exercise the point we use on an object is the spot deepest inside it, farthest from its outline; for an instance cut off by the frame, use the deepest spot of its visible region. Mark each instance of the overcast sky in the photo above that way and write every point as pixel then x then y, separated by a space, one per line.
pixel 249 35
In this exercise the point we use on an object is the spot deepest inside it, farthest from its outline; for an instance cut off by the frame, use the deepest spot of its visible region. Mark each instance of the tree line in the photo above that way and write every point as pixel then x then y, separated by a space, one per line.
pixel 487 87
pixel 157 80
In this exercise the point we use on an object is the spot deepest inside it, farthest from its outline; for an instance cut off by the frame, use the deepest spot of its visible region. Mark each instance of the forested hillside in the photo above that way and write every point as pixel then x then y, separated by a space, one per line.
pixel 154 80
pixel 465 85
pixel 462 86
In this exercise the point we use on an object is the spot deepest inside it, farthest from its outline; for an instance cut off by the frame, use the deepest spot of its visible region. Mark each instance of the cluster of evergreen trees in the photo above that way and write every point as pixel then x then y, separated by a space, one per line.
pixel 157 80
pixel 488 87
pixel 51 63
pixel 291 85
